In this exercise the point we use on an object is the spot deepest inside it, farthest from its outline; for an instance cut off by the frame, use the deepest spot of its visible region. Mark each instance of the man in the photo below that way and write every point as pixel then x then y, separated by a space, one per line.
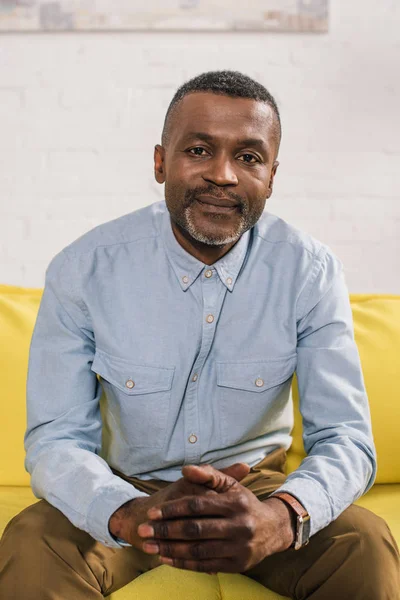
pixel 193 315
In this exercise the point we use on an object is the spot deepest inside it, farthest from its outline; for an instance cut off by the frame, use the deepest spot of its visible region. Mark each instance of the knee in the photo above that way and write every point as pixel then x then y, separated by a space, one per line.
pixel 370 548
pixel 372 531
pixel 34 522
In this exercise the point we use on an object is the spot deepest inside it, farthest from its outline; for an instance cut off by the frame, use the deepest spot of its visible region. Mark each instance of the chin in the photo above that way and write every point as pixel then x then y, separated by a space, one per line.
pixel 212 240
pixel 188 223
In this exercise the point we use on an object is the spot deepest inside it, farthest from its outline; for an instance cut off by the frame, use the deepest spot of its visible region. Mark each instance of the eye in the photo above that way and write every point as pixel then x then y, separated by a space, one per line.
pixel 197 148
pixel 251 156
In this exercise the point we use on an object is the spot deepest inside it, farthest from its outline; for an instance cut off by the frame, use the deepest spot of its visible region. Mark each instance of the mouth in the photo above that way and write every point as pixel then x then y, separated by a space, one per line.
pixel 216 205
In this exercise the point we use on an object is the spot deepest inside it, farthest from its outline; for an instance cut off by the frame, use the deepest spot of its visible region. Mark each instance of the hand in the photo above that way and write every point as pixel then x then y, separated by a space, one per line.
pixel 231 531
pixel 124 522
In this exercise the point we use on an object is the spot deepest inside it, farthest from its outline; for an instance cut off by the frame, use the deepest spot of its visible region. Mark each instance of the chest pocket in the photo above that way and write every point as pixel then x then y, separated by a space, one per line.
pixel 139 398
pixel 253 397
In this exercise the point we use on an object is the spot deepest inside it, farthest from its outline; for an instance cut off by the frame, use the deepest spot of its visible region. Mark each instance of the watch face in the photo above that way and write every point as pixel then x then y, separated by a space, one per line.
pixel 303 532
pixel 306 529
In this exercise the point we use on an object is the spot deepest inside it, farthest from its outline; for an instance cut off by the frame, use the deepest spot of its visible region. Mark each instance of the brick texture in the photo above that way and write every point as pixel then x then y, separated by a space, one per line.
pixel 81 113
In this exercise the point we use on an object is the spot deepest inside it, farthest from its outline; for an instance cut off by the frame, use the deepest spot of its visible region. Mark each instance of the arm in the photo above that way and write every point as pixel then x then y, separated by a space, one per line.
pixel 64 427
pixel 341 461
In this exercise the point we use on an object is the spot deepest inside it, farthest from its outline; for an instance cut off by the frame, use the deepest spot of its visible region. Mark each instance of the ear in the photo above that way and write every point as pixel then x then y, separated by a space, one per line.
pixel 271 180
pixel 159 163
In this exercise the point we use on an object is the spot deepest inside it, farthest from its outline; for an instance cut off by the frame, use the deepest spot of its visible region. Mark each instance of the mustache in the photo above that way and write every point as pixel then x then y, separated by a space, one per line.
pixel 191 195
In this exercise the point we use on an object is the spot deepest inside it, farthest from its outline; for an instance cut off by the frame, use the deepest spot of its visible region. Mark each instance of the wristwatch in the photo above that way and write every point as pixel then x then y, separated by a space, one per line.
pixel 302 536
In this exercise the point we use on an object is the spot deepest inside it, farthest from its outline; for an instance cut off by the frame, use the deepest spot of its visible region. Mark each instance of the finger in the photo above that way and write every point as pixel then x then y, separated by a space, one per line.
pixel 196 489
pixel 238 471
pixel 208 476
pixel 218 565
pixel 190 550
pixel 187 529
pixel 190 506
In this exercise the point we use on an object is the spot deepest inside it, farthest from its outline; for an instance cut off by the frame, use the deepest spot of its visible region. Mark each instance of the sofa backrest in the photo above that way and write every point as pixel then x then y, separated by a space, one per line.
pixel 377 332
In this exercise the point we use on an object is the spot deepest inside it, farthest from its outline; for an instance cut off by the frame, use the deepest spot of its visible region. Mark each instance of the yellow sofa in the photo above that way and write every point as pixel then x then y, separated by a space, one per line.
pixel 377 331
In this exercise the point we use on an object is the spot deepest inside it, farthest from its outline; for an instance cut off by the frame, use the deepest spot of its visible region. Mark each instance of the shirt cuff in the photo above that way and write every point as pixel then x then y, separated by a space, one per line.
pixel 121 542
pixel 105 503
pixel 314 499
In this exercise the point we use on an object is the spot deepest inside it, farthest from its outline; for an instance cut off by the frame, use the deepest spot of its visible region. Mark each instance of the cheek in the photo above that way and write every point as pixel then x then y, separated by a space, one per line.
pixel 174 190
pixel 179 178
pixel 257 182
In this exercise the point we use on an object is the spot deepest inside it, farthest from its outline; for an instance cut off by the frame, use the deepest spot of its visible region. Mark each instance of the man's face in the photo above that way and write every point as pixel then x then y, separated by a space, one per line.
pixel 221 151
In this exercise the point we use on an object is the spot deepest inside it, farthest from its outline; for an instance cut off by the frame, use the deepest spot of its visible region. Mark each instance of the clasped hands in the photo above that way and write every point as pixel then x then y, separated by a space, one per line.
pixel 219 525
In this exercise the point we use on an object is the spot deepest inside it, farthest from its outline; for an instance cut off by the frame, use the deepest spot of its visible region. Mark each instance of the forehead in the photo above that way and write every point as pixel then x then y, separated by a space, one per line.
pixel 222 115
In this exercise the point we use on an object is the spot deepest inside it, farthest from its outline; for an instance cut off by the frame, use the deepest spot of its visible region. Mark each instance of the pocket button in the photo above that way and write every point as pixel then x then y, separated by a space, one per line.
pixel 130 384
pixel 259 382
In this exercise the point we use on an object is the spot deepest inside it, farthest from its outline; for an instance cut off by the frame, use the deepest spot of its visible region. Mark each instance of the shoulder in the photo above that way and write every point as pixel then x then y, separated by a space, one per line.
pixel 134 226
pixel 300 256
pixel 273 230
pixel 140 225
pixel 293 246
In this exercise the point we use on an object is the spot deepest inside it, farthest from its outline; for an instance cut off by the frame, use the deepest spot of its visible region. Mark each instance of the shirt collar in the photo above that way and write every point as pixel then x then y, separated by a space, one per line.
pixel 187 268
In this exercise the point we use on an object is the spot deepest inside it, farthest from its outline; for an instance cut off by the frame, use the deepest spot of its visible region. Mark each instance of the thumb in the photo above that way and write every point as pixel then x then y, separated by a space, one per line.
pixel 219 480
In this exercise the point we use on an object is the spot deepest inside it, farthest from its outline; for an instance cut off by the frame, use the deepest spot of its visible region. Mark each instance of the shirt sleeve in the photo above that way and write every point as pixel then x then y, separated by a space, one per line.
pixel 64 427
pixel 340 465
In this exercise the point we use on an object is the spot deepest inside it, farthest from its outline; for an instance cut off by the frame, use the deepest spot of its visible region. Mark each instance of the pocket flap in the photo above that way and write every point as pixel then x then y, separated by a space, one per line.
pixel 131 378
pixel 256 376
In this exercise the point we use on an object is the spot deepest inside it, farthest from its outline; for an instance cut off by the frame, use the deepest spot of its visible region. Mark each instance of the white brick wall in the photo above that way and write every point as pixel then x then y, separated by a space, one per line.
pixel 81 113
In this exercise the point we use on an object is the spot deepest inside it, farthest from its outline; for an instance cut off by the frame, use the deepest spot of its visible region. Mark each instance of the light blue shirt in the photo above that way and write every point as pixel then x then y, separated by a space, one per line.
pixel 196 362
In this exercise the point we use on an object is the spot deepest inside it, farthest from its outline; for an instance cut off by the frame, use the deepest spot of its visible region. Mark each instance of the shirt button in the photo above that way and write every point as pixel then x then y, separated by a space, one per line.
pixel 192 438
pixel 185 279
pixel 195 377
pixel 208 273
pixel 130 384
pixel 210 318
pixel 259 382
pixel 229 280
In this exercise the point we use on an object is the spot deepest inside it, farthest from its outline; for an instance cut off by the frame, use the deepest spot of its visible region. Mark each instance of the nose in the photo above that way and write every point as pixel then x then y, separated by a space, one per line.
pixel 220 171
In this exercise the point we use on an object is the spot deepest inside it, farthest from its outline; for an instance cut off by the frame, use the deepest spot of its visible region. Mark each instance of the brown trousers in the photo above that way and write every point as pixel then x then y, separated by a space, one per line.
pixel 44 557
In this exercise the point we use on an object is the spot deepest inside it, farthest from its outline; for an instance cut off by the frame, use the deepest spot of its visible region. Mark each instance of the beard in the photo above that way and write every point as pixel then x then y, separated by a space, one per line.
pixel 185 218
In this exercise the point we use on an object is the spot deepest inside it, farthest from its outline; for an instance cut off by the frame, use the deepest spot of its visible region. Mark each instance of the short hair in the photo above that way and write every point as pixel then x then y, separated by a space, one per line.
pixel 225 83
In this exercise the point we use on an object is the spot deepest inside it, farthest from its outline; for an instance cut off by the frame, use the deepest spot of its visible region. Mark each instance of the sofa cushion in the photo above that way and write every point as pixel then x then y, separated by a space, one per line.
pixel 168 583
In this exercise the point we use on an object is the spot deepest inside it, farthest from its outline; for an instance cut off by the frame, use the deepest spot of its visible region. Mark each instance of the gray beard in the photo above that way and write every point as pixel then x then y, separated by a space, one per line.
pixel 214 240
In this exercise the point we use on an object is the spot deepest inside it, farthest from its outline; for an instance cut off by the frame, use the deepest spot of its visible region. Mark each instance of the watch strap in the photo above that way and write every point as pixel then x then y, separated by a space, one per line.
pixel 302 533
pixel 295 504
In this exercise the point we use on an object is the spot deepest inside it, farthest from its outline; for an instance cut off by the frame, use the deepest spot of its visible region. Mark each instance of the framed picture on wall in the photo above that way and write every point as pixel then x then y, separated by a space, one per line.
pixel 164 15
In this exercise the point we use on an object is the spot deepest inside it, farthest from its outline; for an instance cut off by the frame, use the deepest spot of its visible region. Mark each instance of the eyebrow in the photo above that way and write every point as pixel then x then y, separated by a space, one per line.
pixel 207 137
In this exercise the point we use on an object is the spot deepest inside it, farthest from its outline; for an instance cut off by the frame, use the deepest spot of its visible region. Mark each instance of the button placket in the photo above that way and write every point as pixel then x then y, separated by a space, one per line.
pixel 213 292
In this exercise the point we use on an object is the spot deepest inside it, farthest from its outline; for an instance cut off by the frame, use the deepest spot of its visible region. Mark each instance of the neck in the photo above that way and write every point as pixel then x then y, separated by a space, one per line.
pixel 203 252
